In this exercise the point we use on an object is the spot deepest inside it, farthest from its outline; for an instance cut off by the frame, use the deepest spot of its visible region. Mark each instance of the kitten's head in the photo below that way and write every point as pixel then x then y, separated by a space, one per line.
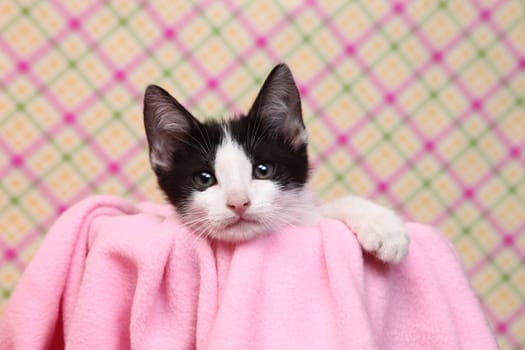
pixel 232 180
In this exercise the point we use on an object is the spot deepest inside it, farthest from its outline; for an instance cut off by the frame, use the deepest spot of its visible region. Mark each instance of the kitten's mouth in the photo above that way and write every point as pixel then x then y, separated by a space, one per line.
pixel 240 221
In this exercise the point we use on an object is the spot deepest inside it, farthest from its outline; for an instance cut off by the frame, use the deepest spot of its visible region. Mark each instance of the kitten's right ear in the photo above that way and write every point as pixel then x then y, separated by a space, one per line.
pixel 167 125
pixel 279 103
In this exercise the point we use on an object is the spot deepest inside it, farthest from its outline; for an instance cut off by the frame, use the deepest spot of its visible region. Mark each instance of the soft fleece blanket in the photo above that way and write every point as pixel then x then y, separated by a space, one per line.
pixel 114 275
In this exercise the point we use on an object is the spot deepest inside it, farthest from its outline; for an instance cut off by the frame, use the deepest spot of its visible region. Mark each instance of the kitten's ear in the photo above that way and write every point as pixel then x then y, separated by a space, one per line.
pixel 279 104
pixel 167 125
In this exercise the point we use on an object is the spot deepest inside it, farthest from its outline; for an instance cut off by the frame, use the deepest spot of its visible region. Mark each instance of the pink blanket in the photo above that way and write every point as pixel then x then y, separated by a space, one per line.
pixel 113 275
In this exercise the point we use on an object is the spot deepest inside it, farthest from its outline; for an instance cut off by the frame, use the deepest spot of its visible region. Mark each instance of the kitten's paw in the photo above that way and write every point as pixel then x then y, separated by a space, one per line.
pixel 385 237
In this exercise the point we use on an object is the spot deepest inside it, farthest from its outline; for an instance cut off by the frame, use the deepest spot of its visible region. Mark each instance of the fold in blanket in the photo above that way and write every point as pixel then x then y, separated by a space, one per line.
pixel 113 275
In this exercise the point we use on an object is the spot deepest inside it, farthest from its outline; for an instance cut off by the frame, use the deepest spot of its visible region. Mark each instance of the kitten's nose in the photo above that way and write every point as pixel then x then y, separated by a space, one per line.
pixel 238 204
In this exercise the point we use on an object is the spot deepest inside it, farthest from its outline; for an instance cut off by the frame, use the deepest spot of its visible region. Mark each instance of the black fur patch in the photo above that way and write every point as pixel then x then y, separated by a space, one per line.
pixel 189 159
pixel 270 146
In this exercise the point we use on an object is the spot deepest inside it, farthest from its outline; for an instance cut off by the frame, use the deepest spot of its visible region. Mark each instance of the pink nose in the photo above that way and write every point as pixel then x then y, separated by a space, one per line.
pixel 238 206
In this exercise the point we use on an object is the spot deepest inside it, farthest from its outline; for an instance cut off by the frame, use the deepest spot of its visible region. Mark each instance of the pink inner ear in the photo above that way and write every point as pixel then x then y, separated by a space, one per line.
pixel 158 158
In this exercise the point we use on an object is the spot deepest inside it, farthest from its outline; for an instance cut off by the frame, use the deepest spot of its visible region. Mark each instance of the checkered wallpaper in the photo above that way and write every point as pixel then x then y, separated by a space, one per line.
pixel 416 104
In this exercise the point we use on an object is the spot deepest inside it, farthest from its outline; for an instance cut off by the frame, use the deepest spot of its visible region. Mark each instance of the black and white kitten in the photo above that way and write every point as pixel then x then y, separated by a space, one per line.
pixel 233 180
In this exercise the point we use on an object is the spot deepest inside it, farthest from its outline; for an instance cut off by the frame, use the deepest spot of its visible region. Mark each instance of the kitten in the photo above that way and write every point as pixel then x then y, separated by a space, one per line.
pixel 233 180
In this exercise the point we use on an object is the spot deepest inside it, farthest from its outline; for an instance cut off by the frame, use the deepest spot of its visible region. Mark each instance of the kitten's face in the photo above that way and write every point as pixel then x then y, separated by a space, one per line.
pixel 232 180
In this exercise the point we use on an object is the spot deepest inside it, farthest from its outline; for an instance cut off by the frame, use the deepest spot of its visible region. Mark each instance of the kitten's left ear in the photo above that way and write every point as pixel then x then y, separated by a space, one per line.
pixel 279 104
pixel 167 125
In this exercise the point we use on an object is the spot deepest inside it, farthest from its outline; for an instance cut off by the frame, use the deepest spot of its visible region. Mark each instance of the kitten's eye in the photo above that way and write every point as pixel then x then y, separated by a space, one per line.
pixel 263 171
pixel 204 179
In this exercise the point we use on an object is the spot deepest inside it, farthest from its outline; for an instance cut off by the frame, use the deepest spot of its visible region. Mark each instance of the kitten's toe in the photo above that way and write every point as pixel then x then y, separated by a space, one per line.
pixel 394 248
pixel 386 239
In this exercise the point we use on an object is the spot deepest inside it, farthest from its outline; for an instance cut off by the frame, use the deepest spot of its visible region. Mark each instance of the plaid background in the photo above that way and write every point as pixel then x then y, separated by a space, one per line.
pixel 416 104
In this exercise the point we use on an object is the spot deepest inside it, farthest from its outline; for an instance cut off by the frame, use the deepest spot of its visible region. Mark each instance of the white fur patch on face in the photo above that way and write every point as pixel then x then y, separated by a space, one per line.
pixel 270 206
pixel 233 168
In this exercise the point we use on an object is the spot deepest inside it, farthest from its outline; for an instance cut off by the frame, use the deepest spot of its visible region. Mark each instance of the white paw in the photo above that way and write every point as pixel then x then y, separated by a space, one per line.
pixel 384 236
